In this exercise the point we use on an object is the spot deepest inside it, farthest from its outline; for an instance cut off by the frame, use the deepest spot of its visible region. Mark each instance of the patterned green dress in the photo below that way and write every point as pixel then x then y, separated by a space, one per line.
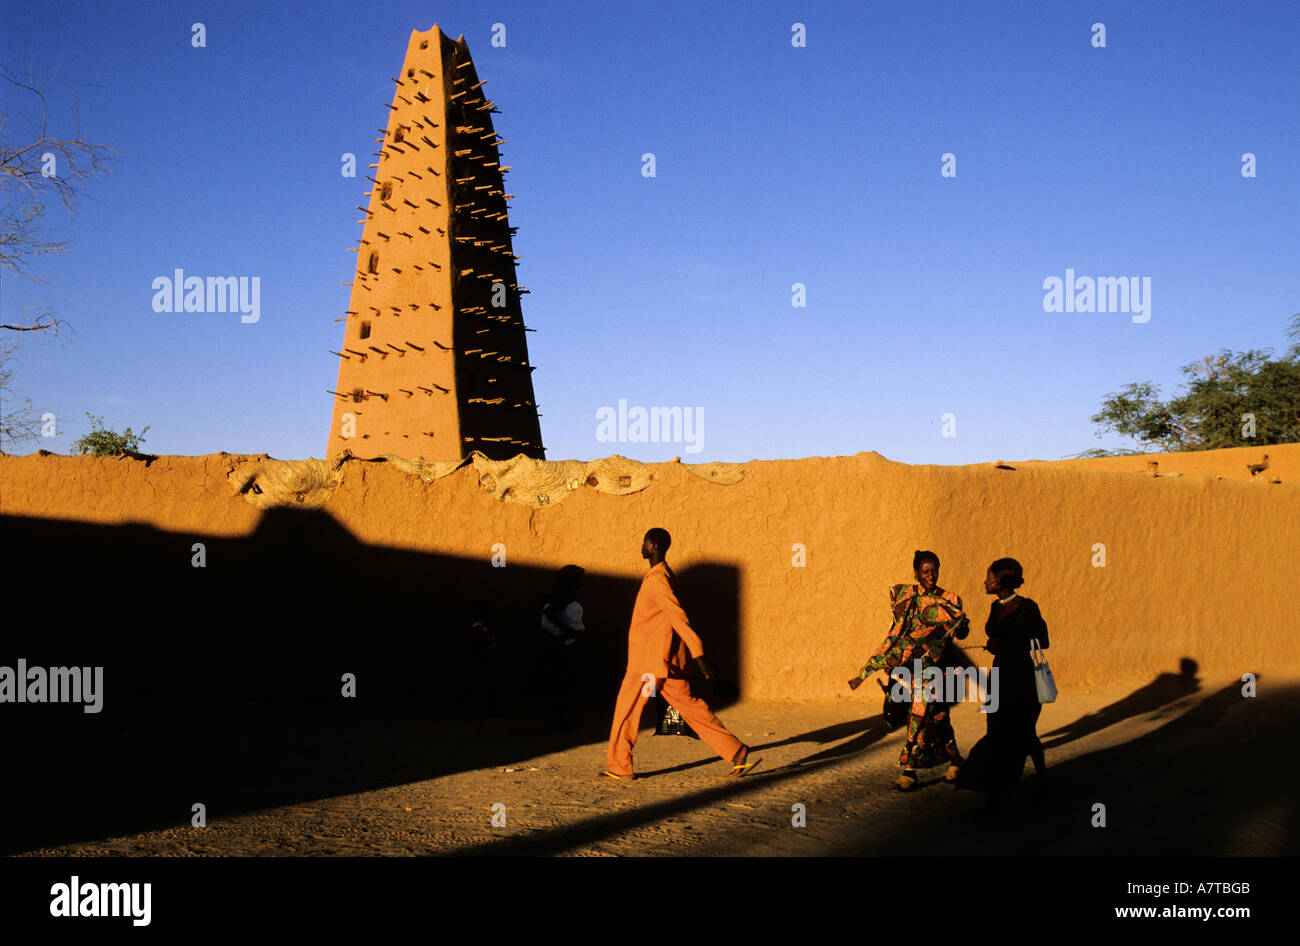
pixel 924 623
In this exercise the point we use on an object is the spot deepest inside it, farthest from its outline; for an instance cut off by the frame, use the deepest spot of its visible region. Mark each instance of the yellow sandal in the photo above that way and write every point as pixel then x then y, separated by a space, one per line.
pixel 906 782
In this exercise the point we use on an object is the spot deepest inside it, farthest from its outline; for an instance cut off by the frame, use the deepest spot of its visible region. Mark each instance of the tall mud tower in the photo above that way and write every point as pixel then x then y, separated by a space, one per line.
pixel 434 361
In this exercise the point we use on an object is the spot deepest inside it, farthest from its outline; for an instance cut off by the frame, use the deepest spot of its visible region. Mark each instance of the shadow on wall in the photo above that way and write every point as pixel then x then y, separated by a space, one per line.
pixel 1165 688
pixel 222 684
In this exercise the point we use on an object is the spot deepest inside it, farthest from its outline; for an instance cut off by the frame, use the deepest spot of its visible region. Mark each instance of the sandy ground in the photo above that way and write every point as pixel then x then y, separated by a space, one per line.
pixel 1179 773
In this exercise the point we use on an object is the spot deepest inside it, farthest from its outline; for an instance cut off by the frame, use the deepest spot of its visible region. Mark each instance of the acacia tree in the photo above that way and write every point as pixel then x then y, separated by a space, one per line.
pixel 18 424
pixel 35 162
pixel 103 442
pixel 1232 399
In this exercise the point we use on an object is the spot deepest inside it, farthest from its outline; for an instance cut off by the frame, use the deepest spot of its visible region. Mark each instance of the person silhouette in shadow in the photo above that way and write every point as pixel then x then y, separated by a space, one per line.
pixel 562 630
pixel 476 657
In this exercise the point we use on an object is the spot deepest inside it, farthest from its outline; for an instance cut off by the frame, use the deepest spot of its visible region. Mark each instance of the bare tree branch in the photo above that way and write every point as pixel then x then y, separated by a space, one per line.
pixel 41 159
pixel 21 424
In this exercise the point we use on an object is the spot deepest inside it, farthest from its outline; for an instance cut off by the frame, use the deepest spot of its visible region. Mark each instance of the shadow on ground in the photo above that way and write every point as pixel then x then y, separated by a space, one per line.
pixel 1185 788
pixel 1165 688
pixel 1217 780
pixel 222 684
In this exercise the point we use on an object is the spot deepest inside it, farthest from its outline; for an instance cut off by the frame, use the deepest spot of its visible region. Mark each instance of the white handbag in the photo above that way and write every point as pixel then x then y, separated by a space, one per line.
pixel 1044 682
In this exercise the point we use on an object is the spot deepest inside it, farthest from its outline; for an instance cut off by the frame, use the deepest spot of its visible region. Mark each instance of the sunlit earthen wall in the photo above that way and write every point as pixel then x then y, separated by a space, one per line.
pixel 1195 565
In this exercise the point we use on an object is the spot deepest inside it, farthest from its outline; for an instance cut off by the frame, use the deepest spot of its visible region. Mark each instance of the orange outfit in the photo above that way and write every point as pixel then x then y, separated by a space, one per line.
pixel 657 644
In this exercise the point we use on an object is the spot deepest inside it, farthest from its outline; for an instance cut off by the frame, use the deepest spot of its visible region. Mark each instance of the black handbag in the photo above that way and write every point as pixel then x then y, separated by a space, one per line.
pixel 894 711
pixel 670 722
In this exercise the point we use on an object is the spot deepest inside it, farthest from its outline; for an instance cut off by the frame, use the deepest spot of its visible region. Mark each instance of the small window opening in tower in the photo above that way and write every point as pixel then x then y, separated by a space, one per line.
pixel 399 133
pixel 410 73
pixel 365 329
pixel 358 395
pixel 424 44
pixel 386 190
pixel 374 263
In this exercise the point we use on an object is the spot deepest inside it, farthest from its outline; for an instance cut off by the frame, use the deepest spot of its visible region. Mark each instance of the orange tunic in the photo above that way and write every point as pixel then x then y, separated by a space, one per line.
pixel 658 643
pixel 660 634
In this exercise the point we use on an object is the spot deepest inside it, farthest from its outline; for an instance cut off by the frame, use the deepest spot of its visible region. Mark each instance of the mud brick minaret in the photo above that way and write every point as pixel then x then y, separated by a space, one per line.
pixel 434 360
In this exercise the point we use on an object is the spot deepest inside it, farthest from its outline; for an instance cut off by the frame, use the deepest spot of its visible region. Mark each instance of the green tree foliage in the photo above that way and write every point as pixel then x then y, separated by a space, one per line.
pixel 107 443
pixel 1223 393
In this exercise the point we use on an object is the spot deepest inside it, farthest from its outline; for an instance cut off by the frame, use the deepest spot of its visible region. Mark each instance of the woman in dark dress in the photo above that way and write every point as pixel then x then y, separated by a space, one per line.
pixel 997 761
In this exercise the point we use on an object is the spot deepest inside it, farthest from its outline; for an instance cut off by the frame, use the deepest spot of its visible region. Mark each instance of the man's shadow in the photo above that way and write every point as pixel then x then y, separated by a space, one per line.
pixel 865 731
pixel 869 732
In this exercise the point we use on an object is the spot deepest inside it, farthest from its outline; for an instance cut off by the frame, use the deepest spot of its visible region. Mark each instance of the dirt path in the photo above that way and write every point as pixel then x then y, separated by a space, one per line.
pixel 1206 772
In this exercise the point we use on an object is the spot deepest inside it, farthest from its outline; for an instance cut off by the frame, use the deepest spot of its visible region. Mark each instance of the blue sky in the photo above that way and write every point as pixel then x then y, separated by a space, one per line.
pixel 775 165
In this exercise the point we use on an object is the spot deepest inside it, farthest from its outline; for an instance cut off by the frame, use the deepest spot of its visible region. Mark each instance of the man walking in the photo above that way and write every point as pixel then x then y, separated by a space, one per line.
pixel 658 641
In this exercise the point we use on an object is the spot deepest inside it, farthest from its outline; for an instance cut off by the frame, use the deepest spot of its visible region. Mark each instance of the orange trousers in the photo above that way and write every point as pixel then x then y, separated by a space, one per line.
pixel 632 697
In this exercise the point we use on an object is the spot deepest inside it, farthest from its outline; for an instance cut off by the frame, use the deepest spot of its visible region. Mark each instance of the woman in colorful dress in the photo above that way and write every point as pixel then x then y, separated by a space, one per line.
pixel 926 620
